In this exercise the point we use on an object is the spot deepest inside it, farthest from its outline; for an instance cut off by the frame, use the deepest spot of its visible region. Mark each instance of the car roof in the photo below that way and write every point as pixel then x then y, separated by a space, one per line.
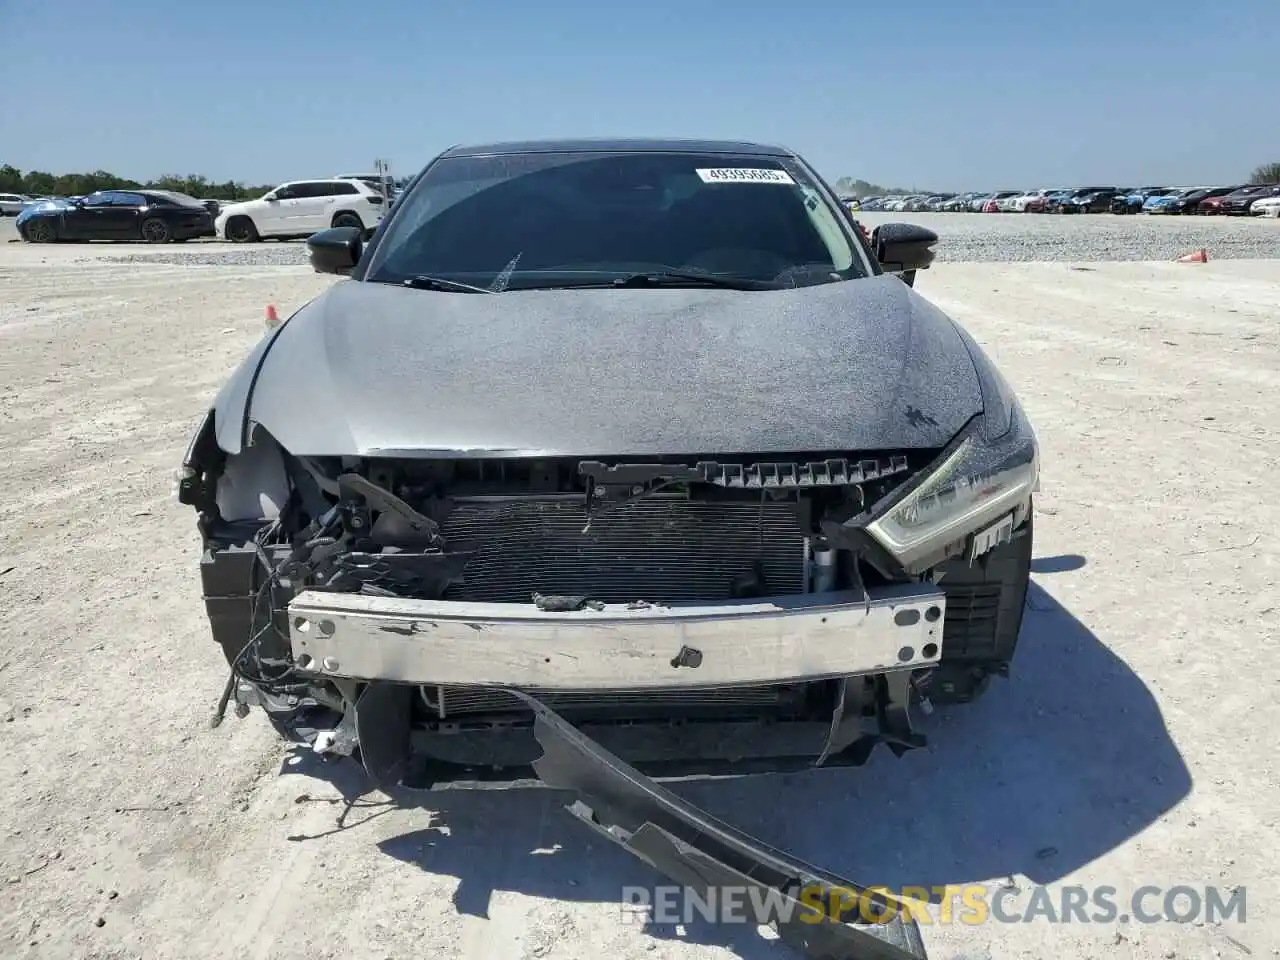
pixel 619 144
pixel 288 183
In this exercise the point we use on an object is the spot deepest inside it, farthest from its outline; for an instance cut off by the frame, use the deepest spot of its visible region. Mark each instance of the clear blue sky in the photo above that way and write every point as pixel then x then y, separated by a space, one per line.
pixel 943 93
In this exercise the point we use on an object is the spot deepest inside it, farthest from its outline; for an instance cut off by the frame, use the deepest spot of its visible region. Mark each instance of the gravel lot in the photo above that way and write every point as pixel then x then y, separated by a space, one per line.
pixel 1132 745
pixel 965 237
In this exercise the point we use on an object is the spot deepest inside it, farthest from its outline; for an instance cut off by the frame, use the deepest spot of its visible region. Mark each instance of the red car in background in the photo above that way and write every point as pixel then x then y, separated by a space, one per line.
pixel 1236 202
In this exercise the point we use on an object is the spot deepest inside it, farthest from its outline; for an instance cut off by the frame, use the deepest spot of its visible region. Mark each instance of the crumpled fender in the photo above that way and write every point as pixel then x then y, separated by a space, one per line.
pixel 703 853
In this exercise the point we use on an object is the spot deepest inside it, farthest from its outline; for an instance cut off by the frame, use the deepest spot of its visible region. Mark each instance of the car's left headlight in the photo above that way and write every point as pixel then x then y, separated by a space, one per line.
pixel 989 470
pixel 977 482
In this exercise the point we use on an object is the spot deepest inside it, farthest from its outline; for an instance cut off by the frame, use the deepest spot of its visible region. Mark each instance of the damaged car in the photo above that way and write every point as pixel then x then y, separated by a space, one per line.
pixel 609 463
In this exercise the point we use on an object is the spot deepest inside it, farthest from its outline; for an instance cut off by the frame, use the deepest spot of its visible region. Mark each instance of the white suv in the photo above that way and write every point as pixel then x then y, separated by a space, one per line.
pixel 301 207
pixel 11 204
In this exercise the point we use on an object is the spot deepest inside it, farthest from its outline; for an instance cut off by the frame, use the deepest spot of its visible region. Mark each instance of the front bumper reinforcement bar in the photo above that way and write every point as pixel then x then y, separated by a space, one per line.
pixel 705 854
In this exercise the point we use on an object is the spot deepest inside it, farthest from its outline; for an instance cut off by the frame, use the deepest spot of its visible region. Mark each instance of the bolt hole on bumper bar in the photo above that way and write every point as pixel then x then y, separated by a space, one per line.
pixel 772 640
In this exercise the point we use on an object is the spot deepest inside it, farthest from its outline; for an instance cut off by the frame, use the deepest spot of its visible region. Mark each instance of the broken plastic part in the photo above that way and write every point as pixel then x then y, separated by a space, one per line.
pixel 703 853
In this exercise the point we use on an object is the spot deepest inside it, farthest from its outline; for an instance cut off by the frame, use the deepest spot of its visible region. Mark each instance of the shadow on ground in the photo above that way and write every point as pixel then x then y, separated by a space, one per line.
pixel 1052 769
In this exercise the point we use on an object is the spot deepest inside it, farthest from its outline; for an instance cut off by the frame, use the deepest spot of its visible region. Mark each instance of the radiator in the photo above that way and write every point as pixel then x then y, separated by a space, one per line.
pixel 661 549
pixel 448 702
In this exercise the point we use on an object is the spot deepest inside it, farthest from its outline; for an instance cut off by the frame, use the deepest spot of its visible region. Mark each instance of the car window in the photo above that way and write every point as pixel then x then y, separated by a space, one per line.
pixel 286 192
pixel 169 198
pixel 339 189
pixel 540 219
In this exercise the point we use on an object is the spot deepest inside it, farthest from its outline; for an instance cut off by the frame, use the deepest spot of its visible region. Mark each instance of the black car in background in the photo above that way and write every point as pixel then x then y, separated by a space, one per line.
pixel 153 216
pixel 1187 201
pixel 1237 203
pixel 1131 201
pixel 1069 203
pixel 1090 200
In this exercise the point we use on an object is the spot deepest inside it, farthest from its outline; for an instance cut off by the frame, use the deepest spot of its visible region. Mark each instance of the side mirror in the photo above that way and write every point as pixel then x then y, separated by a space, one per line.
pixel 903 248
pixel 336 250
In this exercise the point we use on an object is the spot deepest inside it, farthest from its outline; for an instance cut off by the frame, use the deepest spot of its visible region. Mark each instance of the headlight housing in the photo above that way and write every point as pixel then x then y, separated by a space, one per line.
pixel 981 478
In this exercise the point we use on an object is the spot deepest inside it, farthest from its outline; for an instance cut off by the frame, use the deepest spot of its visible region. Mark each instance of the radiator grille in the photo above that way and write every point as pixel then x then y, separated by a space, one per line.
pixel 660 549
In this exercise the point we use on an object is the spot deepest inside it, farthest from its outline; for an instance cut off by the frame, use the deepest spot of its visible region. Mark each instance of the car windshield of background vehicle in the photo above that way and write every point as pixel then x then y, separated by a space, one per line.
pixel 572 219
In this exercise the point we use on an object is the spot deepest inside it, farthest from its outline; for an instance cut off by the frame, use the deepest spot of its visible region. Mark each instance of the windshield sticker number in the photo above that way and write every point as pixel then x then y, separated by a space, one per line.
pixel 745 175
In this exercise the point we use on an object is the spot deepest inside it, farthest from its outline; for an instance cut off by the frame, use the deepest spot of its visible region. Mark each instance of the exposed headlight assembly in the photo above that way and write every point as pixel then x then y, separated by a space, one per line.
pixel 990 470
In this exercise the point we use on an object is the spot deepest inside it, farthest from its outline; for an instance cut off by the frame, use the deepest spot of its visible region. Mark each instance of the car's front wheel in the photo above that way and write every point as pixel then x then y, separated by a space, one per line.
pixel 241 230
pixel 41 231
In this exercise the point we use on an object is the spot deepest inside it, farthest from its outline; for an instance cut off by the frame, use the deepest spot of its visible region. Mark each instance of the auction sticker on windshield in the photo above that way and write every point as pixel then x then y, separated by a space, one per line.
pixel 744 175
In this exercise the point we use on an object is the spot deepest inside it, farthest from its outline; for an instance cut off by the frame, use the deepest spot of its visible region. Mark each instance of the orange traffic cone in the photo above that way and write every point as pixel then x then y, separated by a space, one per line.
pixel 1200 256
pixel 273 318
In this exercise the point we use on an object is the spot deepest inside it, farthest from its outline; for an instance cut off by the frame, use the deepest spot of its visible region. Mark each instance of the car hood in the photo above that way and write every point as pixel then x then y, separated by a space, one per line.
pixel 226 208
pixel 371 369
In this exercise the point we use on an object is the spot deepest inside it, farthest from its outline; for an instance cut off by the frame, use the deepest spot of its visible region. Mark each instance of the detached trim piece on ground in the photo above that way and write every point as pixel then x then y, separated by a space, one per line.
pixel 703 853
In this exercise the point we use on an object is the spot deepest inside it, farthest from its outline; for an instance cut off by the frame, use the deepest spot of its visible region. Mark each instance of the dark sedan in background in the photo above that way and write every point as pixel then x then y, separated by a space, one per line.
pixel 1237 203
pixel 1185 202
pixel 153 216
pixel 1089 201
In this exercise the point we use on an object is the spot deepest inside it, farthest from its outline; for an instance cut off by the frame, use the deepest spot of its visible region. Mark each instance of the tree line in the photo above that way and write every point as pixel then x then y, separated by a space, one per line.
pixel 38 183
pixel 862 189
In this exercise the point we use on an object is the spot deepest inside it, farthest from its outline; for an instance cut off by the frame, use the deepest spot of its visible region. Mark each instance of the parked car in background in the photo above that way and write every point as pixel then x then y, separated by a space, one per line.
pixel 959 202
pixel 1216 205
pixel 1084 200
pixel 154 216
pixel 1179 200
pixel 1096 202
pixel 1237 203
pixel 1133 201
pixel 1039 201
pixel 299 208
pixel 1266 207
pixel 996 201
pixel 11 204
pixel 1019 203
pixel 384 185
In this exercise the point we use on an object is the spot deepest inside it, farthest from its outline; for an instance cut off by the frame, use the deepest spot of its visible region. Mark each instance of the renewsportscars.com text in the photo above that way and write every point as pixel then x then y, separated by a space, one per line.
pixel 969 904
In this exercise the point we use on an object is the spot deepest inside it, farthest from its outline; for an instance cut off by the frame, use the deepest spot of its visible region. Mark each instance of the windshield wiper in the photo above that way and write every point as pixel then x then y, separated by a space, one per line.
pixel 678 278
pixel 659 278
pixel 443 285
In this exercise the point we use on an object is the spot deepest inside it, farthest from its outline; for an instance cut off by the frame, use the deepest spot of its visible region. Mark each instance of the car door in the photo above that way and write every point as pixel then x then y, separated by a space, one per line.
pixel 276 210
pixel 86 218
pixel 314 206
pixel 300 209
pixel 123 215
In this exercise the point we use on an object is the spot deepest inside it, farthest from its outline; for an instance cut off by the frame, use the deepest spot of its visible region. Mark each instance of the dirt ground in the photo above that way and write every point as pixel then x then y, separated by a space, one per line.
pixel 1131 747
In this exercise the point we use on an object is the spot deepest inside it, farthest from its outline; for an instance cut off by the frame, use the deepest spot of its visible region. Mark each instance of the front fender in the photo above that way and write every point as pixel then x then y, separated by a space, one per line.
pixel 231 405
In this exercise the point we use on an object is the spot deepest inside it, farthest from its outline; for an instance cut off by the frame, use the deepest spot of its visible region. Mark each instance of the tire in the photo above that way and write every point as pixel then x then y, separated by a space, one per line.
pixel 349 219
pixel 155 230
pixel 242 230
pixel 41 231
